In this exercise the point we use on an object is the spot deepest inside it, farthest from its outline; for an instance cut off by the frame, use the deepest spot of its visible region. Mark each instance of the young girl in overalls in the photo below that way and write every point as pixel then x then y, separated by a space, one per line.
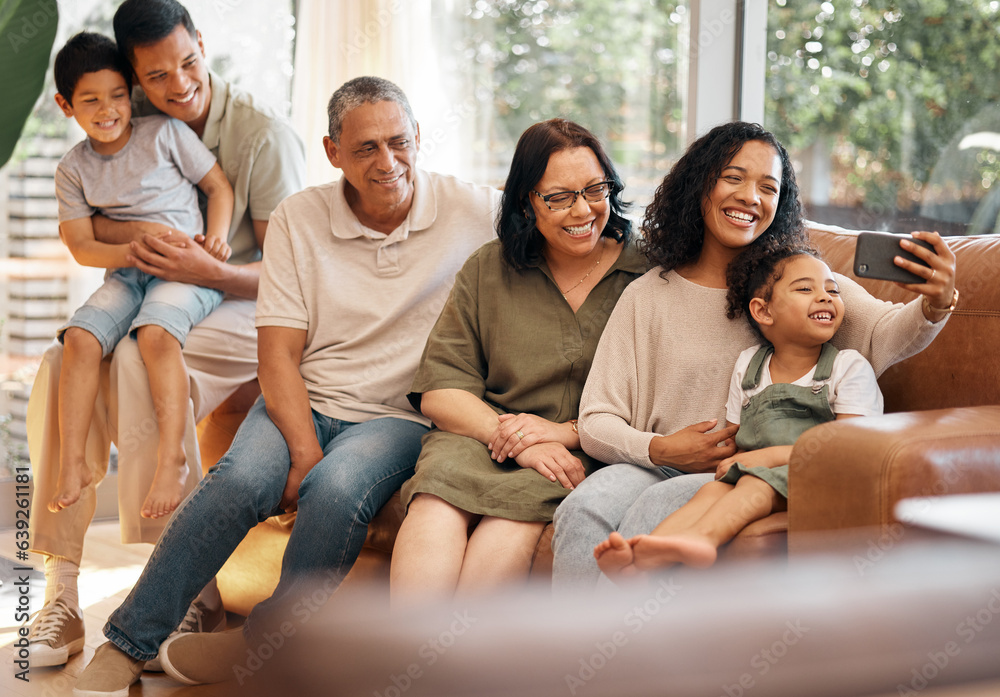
pixel 781 388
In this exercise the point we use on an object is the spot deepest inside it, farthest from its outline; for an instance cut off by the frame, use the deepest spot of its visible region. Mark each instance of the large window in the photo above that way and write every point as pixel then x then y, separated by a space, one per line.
pixel 892 110
pixel 479 72
pixel 620 73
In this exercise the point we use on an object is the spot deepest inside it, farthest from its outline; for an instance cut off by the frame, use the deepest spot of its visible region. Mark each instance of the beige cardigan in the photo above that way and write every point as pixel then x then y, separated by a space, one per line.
pixel 668 351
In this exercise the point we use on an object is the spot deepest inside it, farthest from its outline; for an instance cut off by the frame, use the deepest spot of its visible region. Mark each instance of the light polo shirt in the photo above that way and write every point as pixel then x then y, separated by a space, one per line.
pixel 368 300
pixel 261 154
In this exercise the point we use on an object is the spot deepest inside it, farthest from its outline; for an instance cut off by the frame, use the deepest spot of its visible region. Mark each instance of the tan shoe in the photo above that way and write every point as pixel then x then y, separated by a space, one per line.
pixel 202 659
pixel 110 673
pixel 56 634
pixel 199 618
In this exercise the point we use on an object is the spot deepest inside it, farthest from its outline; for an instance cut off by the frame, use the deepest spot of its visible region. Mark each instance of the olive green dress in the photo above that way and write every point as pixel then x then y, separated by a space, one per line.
pixel 512 340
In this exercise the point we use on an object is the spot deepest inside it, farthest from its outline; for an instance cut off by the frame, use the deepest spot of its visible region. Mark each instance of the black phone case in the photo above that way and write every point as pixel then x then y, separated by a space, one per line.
pixel 874 253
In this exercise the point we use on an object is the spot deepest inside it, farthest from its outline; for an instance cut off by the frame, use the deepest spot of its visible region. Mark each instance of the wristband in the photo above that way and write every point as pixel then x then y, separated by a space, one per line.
pixel 942 310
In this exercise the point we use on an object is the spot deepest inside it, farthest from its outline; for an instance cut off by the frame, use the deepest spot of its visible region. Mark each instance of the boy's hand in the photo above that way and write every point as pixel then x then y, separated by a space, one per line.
pixel 217 247
pixel 175 239
pixel 175 258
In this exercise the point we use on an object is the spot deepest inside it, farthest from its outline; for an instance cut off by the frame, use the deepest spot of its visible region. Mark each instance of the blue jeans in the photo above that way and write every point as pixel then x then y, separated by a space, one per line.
pixel 130 299
pixel 627 498
pixel 363 465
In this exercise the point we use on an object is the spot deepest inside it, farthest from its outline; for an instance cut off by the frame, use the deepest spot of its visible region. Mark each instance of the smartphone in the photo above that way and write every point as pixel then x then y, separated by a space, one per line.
pixel 873 257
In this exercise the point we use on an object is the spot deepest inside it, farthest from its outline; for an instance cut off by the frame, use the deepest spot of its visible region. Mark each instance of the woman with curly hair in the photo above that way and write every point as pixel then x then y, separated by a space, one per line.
pixel 504 367
pixel 655 398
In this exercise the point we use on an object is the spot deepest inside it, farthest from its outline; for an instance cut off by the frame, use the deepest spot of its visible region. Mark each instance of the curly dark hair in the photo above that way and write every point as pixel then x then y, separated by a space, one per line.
pixel 520 242
pixel 753 274
pixel 673 227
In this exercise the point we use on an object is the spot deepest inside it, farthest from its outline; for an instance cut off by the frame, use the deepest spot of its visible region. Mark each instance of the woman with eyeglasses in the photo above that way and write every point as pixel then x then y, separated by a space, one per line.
pixel 504 367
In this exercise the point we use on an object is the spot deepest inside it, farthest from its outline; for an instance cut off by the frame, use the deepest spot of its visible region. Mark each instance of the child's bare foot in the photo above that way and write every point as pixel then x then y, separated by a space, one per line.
pixel 657 552
pixel 166 491
pixel 73 479
pixel 615 557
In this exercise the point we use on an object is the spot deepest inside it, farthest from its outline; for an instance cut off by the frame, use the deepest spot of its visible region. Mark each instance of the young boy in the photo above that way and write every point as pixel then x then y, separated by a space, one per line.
pixel 129 169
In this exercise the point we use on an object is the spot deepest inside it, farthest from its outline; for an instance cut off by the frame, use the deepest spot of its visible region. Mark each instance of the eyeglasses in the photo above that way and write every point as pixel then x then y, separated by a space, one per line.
pixel 561 200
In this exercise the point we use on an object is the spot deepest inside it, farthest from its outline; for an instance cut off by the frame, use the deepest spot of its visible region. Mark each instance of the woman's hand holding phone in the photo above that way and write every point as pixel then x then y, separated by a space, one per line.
pixel 921 263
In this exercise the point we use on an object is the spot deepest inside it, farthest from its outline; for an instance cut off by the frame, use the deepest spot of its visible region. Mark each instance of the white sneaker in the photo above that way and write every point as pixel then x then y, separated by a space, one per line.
pixel 199 618
pixel 56 634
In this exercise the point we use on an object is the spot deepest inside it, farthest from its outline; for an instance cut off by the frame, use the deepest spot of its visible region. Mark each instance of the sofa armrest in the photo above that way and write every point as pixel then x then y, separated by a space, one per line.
pixel 850 474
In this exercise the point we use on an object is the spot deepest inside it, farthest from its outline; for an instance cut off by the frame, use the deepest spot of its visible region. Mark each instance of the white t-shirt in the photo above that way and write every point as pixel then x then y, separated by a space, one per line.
pixel 852 383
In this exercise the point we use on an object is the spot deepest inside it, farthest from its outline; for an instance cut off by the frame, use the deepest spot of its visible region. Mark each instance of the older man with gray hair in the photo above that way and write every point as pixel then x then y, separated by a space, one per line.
pixel 355 273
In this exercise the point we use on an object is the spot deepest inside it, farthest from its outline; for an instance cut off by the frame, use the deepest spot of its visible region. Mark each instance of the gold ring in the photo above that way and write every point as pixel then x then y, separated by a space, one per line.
pixel 520 436
pixel 933 271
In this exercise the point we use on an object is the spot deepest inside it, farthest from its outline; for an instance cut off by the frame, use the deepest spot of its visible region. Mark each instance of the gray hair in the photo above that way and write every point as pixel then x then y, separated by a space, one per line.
pixel 363 90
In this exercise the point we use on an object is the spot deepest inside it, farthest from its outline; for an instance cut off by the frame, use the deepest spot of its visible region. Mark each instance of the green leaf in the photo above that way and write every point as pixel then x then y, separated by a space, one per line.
pixel 27 30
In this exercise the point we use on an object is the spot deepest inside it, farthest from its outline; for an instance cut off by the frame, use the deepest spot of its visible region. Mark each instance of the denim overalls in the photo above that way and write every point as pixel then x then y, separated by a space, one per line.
pixel 779 414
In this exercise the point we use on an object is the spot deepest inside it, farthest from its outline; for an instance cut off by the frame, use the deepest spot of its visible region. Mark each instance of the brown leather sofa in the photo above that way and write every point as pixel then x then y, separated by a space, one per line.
pixel 940 435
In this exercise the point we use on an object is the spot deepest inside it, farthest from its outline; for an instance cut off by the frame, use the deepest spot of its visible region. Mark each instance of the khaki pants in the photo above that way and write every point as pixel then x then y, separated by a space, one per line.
pixel 221 355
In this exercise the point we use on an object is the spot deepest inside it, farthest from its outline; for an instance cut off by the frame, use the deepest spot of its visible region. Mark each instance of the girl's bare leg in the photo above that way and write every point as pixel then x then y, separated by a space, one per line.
pixel 500 552
pixel 169 387
pixel 694 510
pixel 616 556
pixel 429 550
pixel 751 499
pixel 78 384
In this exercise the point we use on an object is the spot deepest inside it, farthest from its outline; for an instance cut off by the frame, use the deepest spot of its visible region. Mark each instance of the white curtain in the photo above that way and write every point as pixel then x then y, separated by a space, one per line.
pixel 404 41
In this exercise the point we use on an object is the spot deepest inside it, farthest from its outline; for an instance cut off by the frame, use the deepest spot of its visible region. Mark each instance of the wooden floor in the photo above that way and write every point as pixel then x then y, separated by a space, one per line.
pixel 108 572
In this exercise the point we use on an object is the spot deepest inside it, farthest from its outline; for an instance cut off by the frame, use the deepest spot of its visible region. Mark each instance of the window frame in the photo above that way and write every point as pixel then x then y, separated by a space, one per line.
pixel 727 54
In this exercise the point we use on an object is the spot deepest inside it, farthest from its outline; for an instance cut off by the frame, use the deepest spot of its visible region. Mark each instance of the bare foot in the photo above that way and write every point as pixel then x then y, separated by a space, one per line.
pixel 615 557
pixel 657 552
pixel 72 481
pixel 167 489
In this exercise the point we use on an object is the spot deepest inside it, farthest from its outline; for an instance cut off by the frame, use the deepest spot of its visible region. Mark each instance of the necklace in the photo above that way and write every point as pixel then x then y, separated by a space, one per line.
pixel 596 264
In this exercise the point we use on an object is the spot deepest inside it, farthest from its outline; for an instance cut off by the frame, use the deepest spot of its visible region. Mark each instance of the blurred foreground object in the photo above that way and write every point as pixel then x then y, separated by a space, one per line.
pixel 970 515
pixel 921 616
